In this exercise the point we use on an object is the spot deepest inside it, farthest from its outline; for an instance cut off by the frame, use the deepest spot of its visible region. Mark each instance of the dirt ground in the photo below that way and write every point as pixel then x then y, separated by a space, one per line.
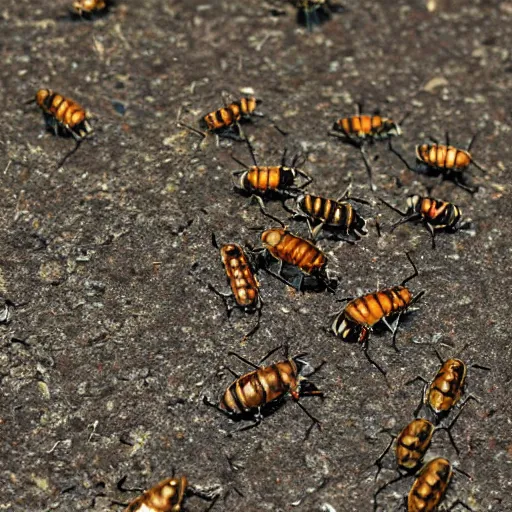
pixel 117 337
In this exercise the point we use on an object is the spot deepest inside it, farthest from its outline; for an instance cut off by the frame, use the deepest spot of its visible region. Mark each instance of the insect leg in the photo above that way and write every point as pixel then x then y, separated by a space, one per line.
pixel 257 326
pixel 391 482
pixel 251 152
pixel 432 232
pixel 479 167
pixel 273 351
pixel 367 165
pixel 459 180
pixel 77 145
pixel 447 137
pixel 259 200
pixel 461 503
pixel 378 462
pixel 434 140
pixel 209 403
pixel 415 274
pixel 308 178
pixel 403 214
pixel 224 297
pixel 450 426
pixel 314 421
pixel 402 159
pixel 365 351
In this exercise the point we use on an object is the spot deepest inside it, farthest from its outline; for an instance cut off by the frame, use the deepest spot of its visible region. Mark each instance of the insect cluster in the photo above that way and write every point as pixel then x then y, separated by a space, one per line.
pixel 432 478
pixel 298 261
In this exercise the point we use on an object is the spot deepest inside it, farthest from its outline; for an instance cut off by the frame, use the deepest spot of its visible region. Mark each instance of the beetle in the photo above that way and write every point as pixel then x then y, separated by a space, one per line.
pixel 168 496
pixel 363 129
pixel 252 395
pixel 242 280
pixel 443 160
pixel 435 214
pixel 357 320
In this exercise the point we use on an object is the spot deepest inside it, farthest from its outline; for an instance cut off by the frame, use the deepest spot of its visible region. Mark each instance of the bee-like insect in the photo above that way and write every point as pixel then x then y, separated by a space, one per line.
pixel 411 446
pixel 357 320
pixel 225 121
pixel 445 390
pixel 167 496
pixel 443 160
pixel 362 129
pixel 430 486
pixel 90 7
pixel 280 181
pixel 242 280
pixel 298 253
pixel 65 116
pixel 436 215
pixel 261 390
pixel 315 12
pixel 337 215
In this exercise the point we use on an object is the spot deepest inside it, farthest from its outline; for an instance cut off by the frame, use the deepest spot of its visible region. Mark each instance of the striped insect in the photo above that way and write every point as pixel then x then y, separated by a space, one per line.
pixel 359 317
pixel 363 129
pixel 430 486
pixel 300 263
pixel 444 160
pixel 315 12
pixel 336 215
pixel 242 280
pixel 64 116
pixel 168 496
pixel 411 446
pixel 225 121
pixel 257 393
pixel 445 390
pixel 89 8
pixel 278 181
pixel 435 214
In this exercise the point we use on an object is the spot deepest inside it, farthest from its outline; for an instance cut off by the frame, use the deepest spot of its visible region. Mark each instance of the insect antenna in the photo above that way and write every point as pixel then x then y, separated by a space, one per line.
pixel 314 420
pixel 246 361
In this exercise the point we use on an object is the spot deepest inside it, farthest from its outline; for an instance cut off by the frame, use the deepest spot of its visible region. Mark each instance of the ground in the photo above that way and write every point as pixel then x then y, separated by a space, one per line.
pixel 117 337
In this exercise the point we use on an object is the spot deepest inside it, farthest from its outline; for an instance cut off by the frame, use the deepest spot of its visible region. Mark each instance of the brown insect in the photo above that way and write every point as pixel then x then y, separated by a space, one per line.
pixel 430 486
pixel 315 12
pixel 357 320
pixel 337 215
pixel 278 181
pixel 443 160
pixel 64 116
pixel 411 446
pixel 301 264
pixel 435 214
pixel 168 496
pixel 225 121
pixel 444 392
pixel 261 391
pixel 362 129
pixel 90 7
pixel 242 280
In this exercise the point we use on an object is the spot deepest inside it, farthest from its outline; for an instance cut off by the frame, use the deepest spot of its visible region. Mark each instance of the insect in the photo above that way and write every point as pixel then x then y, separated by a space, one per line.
pixel 444 392
pixel 168 496
pixel 337 215
pixel 90 7
pixel 362 129
pixel 436 215
pixel 65 116
pixel 271 181
pixel 411 446
pixel 260 391
pixel 357 320
pixel 298 253
pixel 225 121
pixel 443 160
pixel 430 486
pixel 315 12
pixel 241 278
